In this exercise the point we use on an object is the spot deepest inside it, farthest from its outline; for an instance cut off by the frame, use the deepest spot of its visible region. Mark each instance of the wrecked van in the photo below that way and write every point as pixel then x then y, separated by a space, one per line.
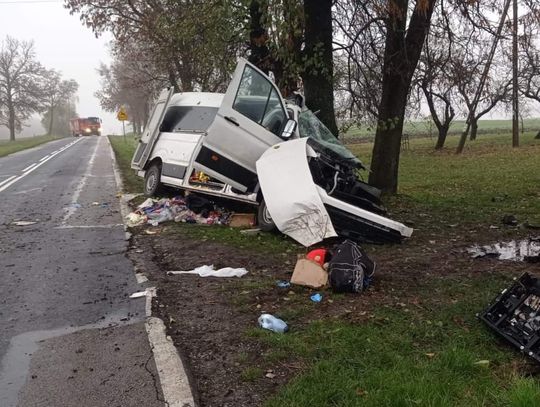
pixel 251 145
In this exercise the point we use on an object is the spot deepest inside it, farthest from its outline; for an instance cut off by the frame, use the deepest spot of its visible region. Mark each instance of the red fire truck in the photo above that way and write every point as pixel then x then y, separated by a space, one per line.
pixel 85 126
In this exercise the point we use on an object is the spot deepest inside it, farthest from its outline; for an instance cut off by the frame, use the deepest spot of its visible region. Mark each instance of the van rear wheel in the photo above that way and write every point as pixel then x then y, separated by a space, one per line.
pixel 264 220
pixel 152 180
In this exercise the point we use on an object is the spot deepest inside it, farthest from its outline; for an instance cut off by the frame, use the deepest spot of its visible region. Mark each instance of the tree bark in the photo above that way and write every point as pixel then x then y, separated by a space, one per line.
pixel 318 82
pixel 51 120
pixel 401 55
pixel 11 122
pixel 474 129
pixel 441 139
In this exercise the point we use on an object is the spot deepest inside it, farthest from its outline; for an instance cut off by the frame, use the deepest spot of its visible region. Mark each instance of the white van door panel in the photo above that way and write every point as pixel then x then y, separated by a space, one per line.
pixel 248 122
pixel 151 130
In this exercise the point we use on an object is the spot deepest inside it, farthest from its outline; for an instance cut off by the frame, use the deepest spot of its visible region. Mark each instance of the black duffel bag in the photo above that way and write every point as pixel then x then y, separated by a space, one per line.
pixel 350 269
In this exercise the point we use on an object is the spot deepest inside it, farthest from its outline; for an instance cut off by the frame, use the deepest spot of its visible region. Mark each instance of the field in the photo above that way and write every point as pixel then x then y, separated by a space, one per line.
pixel 411 340
pixel 10 147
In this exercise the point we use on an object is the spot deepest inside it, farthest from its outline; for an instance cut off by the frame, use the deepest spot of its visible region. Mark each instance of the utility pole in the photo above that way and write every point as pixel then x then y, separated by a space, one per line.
pixel 515 103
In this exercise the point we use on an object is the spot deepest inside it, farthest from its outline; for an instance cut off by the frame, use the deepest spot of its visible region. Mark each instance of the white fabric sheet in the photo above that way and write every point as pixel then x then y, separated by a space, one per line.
pixel 291 195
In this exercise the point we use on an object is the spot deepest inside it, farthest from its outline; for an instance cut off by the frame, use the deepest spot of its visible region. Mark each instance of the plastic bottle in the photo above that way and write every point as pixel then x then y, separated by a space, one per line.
pixel 272 323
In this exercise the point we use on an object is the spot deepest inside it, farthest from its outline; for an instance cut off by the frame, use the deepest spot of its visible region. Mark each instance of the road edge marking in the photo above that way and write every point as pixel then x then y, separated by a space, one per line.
pixel 172 374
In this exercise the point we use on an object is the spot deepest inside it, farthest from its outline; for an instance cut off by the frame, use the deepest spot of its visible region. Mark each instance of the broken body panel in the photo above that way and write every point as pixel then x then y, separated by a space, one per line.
pixel 235 146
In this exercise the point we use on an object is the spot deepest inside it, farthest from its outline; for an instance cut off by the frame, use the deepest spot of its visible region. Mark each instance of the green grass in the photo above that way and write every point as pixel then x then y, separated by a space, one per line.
pixel 427 127
pixel 10 147
pixel 488 180
pixel 124 149
pixel 406 357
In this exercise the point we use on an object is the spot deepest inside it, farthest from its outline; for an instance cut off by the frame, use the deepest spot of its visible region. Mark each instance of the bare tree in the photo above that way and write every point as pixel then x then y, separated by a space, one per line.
pixel 406 31
pixel 21 87
pixel 57 91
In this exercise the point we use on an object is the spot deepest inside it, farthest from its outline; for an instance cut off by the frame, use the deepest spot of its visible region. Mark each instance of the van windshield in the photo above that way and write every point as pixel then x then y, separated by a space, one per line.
pixel 188 118
pixel 309 125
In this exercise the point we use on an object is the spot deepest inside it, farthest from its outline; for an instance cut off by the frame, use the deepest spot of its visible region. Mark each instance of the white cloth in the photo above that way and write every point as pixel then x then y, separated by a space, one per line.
pixel 209 271
pixel 291 195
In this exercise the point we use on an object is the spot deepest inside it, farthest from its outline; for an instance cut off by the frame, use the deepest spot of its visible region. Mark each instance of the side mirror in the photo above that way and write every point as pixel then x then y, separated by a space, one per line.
pixel 289 129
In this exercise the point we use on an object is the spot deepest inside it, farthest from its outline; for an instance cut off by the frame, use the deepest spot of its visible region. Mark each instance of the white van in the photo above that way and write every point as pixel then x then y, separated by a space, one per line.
pixel 228 145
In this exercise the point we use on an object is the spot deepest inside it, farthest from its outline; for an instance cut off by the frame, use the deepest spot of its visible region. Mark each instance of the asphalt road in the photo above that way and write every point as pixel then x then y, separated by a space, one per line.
pixel 69 333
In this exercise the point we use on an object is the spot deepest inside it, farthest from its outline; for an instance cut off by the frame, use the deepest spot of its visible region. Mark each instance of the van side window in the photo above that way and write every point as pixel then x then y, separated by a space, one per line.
pixel 188 118
pixel 258 100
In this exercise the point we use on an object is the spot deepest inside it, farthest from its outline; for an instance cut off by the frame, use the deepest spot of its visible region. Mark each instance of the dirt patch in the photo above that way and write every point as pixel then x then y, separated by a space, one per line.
pixel 210 319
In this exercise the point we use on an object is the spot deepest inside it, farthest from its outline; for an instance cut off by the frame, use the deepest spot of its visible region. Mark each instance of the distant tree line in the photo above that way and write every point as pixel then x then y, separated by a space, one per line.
pixel 27 88
pixel 362 62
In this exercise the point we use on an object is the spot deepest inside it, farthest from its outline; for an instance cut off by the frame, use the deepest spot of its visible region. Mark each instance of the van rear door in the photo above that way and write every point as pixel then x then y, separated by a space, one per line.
pixel 249 121
pixel 151 130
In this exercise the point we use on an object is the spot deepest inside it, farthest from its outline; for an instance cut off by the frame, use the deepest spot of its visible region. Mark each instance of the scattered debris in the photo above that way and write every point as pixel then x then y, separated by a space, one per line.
pixel 283 284
pixel 316 297
pixel 350 269
pixel 309 273
pixel 318 256
pixel 242 220
pixel 515 315
pixel 270 322
pixel 23 223
pixel 138 294
pixel 74 205
pixel 509 220
pixel 192 209
pixel 515 250
pixel 209 271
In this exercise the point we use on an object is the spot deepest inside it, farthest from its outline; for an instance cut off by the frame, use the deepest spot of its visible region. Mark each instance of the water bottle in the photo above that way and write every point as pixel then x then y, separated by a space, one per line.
pixel 272 323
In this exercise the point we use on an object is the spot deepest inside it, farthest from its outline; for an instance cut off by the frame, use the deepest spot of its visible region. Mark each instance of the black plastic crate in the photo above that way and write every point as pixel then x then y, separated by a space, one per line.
pixel 515 314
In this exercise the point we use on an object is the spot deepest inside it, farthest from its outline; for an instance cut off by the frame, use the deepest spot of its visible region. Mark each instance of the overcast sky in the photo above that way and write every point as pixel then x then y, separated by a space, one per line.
pixel 64 44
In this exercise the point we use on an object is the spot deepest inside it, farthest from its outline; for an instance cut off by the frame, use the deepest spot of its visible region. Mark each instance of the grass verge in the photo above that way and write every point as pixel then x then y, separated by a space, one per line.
pixel 123 150
pixel 10 147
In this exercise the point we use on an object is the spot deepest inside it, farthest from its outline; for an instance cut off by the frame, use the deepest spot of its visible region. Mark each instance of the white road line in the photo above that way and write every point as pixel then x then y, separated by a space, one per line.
pixel 29 167
pixel 7 180
pixel 44 158
pixel 24 174
pixel 81 184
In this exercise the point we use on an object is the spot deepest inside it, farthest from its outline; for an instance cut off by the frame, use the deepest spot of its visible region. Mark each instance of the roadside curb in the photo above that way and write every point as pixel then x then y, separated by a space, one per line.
pixel 172 374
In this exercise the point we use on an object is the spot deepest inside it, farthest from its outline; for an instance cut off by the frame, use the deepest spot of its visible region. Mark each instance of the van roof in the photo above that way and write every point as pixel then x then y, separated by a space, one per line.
pixel 197 99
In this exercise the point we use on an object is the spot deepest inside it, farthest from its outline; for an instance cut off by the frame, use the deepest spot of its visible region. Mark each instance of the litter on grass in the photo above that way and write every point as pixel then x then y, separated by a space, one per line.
pixel 515 250
pixel 192 209
pixel 515 315
pixel 316 297
pixel 210 271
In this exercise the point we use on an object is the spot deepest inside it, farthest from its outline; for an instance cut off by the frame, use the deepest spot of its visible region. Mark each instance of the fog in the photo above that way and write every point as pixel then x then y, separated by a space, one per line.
pixel 61 43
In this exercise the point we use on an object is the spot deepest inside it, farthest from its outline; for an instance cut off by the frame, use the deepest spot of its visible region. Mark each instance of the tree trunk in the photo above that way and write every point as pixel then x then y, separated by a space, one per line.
pixel 11 124
pixel 441 139
pixel 401 56
pixel 474 129
pixel 318 83
pixel 258 38
pixel 51 120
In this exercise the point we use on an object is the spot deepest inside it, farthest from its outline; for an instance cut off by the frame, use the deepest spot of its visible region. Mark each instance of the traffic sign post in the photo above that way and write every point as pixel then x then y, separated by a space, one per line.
pixel 122 116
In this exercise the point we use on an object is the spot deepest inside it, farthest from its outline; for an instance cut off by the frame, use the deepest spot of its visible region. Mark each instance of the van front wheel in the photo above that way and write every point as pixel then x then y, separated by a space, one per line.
pixel 152 180
pixel 264 220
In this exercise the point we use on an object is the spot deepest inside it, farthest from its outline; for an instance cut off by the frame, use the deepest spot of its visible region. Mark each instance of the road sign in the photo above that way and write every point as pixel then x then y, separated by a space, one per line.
pixel 122 115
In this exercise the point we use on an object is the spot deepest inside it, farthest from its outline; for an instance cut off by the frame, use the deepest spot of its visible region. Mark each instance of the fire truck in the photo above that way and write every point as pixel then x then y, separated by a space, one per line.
pixel 85 126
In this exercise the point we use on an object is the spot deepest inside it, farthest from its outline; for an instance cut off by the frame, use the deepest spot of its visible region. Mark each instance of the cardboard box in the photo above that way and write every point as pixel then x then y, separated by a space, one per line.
pixel 309 274
pixel 242 220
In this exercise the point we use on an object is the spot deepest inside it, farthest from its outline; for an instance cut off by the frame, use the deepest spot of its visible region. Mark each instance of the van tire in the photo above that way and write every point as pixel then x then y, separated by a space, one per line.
pixel 152 180
pixel 264 220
